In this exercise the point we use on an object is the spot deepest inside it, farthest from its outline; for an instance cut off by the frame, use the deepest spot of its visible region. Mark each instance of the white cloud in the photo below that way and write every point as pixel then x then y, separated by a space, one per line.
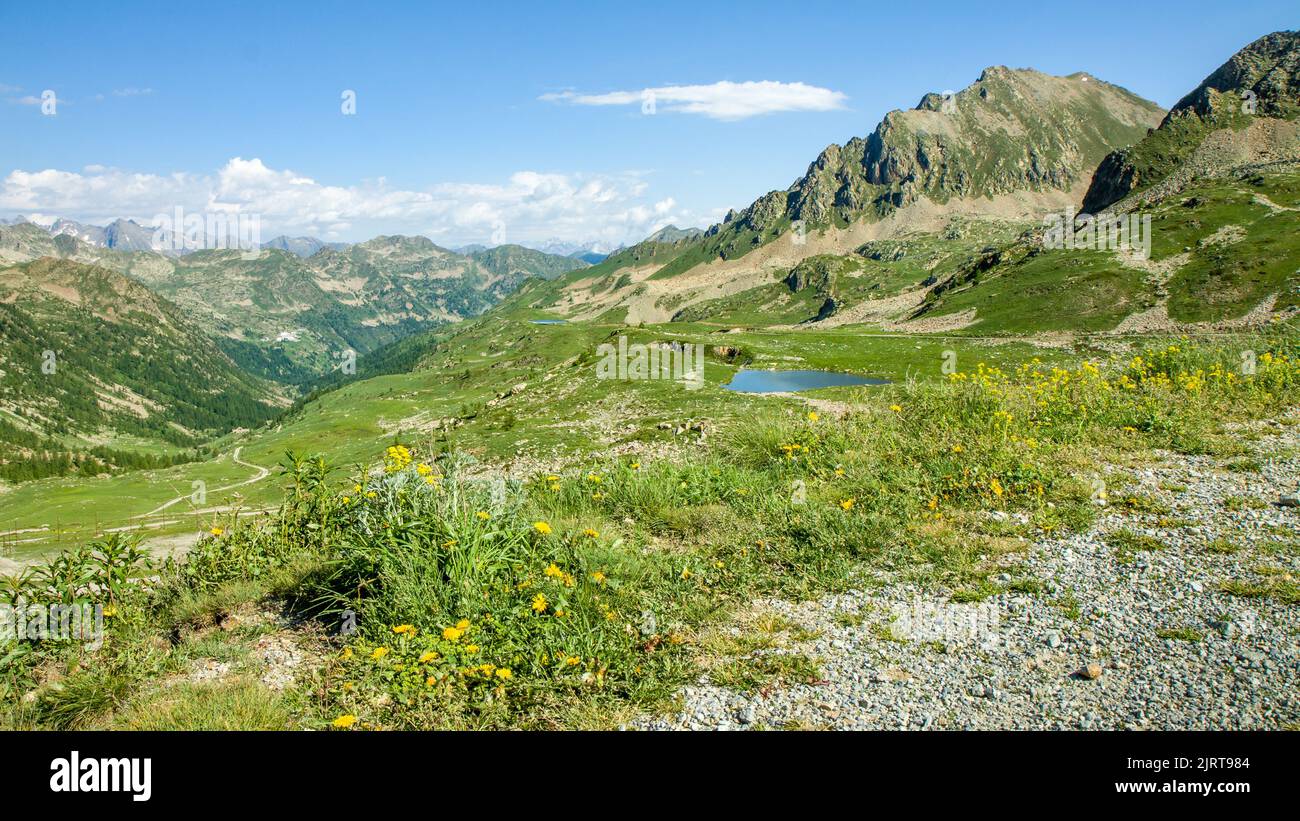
pixel 721 101
pixel 530 206
pixel 131 92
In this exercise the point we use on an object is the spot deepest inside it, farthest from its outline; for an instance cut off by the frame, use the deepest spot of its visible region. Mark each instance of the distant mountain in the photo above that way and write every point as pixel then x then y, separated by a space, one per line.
pixel 671 233
pixel 1246 112
pixel 290 318
pixel 564 248
pixel 89 234
pixel 1220 182
pixel 119 235
pixel 300 246
pixel 89 354
pixel 1015 144
pixel 518 261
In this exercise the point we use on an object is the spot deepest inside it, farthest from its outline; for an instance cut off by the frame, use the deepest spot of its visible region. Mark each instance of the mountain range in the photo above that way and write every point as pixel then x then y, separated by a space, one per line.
pixel 932 222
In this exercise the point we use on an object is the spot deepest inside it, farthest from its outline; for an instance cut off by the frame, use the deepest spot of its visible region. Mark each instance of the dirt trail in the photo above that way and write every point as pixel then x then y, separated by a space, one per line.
pixel 261 474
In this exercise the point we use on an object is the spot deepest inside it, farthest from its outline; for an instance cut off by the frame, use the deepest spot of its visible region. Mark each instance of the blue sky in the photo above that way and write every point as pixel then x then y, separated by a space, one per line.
pixel 470 119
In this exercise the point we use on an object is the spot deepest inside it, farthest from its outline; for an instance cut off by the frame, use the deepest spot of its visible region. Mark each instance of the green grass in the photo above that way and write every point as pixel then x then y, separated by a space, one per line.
pixel 240 705
pixel 600 612
pixel 1127 544
pixel 1181 634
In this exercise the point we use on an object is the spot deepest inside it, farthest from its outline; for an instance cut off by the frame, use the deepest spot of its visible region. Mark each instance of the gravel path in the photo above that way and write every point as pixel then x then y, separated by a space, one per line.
pixel 1085 651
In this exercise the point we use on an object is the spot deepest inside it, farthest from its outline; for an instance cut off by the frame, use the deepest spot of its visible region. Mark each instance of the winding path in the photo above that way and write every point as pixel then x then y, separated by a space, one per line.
pixel 261 474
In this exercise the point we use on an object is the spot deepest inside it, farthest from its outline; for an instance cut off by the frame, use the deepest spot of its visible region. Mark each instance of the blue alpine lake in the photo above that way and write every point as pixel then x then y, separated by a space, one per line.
pixel 784 381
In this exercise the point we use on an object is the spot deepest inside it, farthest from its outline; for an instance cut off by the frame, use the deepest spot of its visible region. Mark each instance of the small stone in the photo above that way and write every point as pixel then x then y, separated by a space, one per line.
pixel 1225 628
pixel 1091 672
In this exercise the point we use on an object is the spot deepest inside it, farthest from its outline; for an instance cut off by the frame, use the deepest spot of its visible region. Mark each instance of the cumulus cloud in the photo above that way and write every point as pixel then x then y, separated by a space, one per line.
pixel 529 206
pixel 720 101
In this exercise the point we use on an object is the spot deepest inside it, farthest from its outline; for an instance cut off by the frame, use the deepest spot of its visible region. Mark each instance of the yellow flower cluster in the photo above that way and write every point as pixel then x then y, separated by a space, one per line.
pixel 397 458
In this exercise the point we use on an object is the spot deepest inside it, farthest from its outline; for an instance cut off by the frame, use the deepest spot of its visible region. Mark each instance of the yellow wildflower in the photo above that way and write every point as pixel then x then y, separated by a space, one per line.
pixel 539 603
pixel 343 722
pixel 452 633
pixel 542 528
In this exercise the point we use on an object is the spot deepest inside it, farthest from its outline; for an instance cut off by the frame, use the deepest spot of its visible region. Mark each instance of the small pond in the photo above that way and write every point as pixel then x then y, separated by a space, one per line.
pixel 549 321
pixel 784 381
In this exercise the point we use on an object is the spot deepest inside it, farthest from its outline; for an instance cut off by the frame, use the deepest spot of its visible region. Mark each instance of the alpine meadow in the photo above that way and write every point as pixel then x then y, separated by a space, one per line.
pixel 477 385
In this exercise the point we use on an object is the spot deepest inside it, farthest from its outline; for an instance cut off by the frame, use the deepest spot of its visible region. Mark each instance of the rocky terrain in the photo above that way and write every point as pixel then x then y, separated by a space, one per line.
pixel 1244 113
pixel 1129 625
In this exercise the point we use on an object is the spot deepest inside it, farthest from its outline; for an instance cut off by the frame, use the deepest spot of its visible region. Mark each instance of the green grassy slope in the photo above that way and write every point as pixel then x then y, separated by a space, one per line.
pixel 1219 249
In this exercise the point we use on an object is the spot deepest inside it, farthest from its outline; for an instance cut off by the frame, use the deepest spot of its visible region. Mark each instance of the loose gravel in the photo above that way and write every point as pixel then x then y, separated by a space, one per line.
pixel 1144 641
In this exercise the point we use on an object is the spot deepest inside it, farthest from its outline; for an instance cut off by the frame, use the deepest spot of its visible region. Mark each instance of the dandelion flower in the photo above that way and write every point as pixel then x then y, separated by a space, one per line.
pixel 846 504
pixel 636 466
pixel 896 408
pixel 542 528
pixel 452 633
pixel 812 416
pixel 343 722
pixel 995 486
pixel 217 531
pixel 504 673
pixel 484 515
pixel 404 629
pixel 590 534
pixel 598 577
pixel 539 603
pixel 379 653
pixel 428 656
